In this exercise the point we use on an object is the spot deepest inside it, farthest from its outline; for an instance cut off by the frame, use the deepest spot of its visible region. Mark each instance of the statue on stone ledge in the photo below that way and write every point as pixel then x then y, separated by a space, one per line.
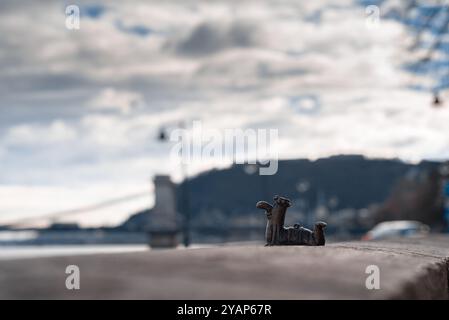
pixel 276 234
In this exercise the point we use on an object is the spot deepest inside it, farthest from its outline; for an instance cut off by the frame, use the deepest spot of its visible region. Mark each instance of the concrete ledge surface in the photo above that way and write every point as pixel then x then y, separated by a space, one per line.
pixel 409 269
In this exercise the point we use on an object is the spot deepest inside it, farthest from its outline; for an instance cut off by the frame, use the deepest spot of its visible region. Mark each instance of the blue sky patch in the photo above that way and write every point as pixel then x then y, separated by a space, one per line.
pixel 93 11
pixel 138 29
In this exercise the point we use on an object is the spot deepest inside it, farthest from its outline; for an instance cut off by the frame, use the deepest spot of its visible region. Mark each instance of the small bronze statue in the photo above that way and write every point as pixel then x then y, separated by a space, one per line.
pixel 276 234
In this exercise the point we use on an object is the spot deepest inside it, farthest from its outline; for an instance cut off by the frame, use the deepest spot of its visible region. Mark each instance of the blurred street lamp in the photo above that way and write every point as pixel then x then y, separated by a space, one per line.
pixel 163 136
pixel 250 169
pixel 444 170
pixel 333 202
pixel 302 187
pixel 436 100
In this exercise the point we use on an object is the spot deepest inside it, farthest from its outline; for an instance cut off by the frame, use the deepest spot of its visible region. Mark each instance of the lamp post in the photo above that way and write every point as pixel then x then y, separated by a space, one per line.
pixel 303 186
pixel 185 203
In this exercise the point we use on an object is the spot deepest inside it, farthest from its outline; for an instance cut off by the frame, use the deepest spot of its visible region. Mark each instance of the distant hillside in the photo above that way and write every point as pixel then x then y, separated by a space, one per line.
pixel 356 182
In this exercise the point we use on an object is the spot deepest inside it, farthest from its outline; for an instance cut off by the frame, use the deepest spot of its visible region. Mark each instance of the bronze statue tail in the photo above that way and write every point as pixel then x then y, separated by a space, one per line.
pixel 318 233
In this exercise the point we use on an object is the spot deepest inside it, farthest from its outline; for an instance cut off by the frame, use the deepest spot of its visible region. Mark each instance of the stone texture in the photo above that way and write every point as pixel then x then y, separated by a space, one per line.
pixel 412 268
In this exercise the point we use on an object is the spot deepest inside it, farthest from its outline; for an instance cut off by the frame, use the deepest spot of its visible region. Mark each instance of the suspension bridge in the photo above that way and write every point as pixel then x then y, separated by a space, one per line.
pixel 56 215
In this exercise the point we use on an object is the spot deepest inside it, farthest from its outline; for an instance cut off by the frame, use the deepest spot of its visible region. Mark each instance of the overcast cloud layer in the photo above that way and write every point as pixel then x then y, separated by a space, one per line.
pixel 80 109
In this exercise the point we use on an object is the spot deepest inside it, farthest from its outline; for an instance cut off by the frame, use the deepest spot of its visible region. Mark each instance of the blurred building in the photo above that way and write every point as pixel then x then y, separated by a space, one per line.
pixel 164 226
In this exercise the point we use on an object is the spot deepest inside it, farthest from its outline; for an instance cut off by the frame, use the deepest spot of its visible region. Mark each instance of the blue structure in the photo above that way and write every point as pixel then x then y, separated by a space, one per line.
pixel 446 203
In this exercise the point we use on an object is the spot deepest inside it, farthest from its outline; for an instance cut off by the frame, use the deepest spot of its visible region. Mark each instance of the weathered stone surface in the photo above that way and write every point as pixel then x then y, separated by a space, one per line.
pixel 408 269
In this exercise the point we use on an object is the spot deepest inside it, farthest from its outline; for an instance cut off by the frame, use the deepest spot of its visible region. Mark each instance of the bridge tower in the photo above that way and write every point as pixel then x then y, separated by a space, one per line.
pixel 164 224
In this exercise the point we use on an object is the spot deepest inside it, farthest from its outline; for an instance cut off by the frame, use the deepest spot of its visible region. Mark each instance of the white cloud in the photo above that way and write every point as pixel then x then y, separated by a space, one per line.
pixel 81 109
pixel 37 135
pixel 112 99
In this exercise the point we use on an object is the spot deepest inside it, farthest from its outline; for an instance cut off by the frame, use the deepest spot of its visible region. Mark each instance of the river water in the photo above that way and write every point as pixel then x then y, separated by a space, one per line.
pixel 22 252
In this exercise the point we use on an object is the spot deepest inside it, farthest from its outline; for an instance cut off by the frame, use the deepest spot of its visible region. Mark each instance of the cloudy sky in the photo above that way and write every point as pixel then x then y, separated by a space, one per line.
pixel 81 109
